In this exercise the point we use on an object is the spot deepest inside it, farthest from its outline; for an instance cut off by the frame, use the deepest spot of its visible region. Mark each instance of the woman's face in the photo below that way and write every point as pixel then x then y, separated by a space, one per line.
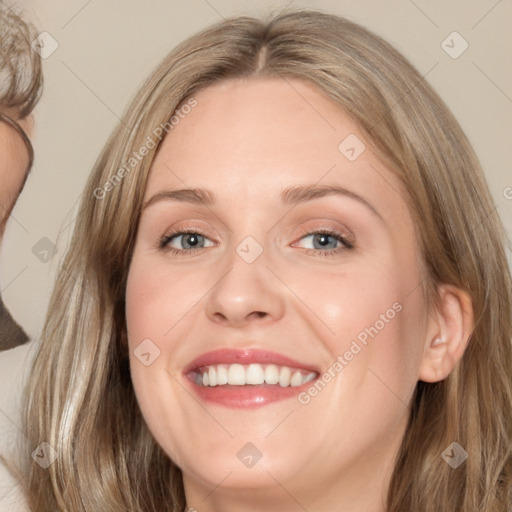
pixel 259 272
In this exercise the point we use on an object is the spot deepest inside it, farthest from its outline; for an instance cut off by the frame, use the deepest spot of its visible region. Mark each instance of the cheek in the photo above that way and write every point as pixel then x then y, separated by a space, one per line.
pixel 162 303
pixel 348 303
pixel 374 347
pixel 158 296
pixel 373 320
pixel 153 306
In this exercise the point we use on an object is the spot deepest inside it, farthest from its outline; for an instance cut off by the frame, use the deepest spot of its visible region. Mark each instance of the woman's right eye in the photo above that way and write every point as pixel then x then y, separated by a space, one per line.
pixel 183 242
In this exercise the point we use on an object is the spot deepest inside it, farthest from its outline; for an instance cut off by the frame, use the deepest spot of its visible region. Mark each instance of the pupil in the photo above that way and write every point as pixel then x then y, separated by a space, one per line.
pixel 323 239
pixel 191 240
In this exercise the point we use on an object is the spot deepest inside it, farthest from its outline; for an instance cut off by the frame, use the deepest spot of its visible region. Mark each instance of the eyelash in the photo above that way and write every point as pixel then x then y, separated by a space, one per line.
pixel 304 233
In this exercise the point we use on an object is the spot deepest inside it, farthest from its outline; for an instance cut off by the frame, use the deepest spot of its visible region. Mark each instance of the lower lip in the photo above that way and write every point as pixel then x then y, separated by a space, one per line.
pixel 248 396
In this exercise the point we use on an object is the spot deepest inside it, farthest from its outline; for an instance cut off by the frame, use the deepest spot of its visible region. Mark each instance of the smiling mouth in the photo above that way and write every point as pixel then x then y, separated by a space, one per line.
pixel 227 375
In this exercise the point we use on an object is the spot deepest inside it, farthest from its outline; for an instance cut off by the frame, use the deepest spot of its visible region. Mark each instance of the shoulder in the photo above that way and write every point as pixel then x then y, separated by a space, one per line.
pixel 15 366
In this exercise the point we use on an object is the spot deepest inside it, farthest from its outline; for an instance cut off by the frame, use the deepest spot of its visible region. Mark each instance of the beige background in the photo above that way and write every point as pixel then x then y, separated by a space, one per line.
pixel 107 47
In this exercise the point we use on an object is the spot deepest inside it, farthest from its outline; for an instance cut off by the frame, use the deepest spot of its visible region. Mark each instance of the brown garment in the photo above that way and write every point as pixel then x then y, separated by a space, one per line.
pixel 11 334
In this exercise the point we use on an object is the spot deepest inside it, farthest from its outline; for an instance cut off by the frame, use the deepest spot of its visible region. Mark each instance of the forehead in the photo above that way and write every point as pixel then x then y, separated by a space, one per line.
pixel 263 120
pixel 255 137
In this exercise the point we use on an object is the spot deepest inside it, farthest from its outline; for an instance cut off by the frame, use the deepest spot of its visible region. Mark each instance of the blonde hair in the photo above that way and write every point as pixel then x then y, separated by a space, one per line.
pixel 80 398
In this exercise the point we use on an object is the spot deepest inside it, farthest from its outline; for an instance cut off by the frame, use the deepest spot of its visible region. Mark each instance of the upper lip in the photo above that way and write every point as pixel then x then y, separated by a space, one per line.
pixel 246 356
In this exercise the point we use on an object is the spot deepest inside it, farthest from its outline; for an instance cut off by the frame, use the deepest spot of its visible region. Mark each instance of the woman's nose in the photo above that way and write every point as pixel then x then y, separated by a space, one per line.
pixel 248 292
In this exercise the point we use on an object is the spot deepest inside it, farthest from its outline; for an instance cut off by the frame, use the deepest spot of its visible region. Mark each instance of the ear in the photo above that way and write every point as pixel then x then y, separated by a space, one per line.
pixel 449 331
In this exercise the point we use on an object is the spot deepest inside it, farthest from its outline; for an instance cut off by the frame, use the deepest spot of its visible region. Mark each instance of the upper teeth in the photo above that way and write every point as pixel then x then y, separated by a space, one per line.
pixel 239 375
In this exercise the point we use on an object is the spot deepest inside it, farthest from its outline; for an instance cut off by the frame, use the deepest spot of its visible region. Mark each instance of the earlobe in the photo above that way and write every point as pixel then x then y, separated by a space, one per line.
pixel 451 325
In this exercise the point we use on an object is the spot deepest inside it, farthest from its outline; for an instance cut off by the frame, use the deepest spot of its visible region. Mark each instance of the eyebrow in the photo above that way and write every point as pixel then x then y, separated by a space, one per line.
pixel 290 196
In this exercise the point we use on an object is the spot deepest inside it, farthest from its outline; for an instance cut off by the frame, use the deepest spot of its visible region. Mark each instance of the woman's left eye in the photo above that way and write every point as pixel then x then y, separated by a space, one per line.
pixel 325 242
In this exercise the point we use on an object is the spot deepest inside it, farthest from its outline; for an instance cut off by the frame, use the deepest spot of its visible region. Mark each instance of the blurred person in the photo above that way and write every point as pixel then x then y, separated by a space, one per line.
pixel 21 84
pixel 20 89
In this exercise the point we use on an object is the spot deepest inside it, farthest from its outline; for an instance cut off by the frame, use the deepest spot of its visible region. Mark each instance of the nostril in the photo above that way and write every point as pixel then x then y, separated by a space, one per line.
pixel 260 314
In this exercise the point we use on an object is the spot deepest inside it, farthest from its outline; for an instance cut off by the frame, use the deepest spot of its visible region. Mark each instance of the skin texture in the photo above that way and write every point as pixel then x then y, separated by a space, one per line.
pixel 13 167
pixel 13 164
pixel 246 141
